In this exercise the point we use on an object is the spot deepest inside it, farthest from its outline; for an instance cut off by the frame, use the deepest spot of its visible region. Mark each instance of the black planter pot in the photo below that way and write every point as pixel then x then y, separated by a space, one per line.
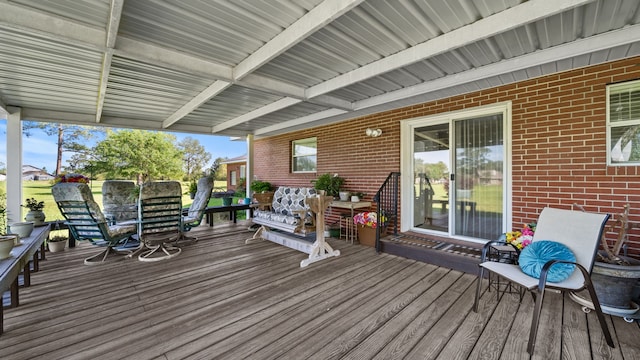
pixel 617 286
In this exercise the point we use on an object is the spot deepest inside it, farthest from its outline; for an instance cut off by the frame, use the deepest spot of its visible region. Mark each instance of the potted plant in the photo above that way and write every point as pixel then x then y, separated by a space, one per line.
pixel 57 243
pixel 330 184
pixel 357 196
pixel 193 189
pixel 367 223
pixel 616 278
pixel 35 213
pixel 258 186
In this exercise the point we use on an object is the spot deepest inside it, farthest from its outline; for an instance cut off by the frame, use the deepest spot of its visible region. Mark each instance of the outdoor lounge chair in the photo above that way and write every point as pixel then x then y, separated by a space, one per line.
pixel 159 220
pixel 119 200
pixel 195 213
pixel 87 222
pixel 580 232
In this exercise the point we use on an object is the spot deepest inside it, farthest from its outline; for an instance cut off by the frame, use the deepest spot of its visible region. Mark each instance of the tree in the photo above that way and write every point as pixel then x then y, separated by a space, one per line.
pixel 70 138
pixel 144 155
pixel 218 170
pixel 194 157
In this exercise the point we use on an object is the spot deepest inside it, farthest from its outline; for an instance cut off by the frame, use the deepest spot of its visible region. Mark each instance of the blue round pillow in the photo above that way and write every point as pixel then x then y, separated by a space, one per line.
pixel 533 257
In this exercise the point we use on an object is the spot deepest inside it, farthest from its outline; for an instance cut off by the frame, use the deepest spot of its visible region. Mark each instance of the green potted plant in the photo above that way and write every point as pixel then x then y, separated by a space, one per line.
pixel 330 184
pixel 258 186
pixel 193 189
pixel 35 213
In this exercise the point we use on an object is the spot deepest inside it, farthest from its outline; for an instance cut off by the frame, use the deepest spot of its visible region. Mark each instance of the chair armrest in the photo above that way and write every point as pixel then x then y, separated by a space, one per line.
pixel 487 246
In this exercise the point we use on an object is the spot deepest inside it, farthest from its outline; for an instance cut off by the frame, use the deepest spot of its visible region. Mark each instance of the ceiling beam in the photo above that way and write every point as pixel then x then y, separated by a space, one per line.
pixel 3 106
pixel 115 14
pixel 608 40
pixel 315 19
pixel 296 32
pixel 204 96
pixel 508 19
pixel 267 109
pixel 299 121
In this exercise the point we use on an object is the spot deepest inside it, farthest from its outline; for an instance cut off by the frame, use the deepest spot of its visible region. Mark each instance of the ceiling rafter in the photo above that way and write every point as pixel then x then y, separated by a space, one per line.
pixel 267 109
pixel 607 40
pixel 115 13
pixel 57 28
pixel 319 16
pixel 500 22
pixel 627 35
pixel 296 32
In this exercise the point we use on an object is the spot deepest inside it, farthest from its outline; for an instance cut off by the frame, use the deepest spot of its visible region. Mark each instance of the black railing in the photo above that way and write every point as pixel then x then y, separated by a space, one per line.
pixel 386 200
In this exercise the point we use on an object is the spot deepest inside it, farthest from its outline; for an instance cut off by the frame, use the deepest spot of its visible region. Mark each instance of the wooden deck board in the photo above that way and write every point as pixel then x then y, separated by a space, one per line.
pixel 225 299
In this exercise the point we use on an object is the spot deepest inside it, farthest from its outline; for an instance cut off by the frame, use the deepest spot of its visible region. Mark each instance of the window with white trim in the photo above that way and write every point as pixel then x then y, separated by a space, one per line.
pixel 623 123
pixel 303 155
pixel 234 180
pixel 243 171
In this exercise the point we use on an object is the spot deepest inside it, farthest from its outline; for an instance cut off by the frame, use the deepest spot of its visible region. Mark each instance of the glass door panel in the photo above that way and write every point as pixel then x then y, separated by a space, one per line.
pixel 431 158
pixel 479 176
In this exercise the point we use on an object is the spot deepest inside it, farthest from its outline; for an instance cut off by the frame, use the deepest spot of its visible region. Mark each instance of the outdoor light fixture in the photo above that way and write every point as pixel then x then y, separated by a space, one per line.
pixel 373 132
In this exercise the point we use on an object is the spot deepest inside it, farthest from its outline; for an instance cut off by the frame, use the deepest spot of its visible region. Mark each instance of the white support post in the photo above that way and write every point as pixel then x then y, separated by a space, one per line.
pixel 14 164
pixel 249 170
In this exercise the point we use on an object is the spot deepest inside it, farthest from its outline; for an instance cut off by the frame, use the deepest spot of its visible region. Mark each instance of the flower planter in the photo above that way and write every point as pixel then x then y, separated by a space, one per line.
pixel 36 216
pixel 57 246
pixel 22 229
pixel 6 244
pixel 366 235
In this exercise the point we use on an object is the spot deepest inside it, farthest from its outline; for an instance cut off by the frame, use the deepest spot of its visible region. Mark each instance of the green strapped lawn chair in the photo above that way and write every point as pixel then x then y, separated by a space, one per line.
pixel 87 222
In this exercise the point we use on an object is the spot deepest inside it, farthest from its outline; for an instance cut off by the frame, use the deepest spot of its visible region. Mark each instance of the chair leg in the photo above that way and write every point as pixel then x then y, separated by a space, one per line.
pixel 598 309
pixel 478 286
pixel 101 257
pixel 538 298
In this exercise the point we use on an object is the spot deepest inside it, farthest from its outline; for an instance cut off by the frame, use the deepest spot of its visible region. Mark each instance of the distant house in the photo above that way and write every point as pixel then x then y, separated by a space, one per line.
pixel 236 170
pixel 33 173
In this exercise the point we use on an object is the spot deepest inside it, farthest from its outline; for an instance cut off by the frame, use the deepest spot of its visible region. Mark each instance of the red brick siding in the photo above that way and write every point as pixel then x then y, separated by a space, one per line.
pixel 558 144
pixel 233 167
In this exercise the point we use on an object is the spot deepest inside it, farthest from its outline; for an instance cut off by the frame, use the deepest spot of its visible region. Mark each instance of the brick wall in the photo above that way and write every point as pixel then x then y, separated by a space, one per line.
pixel 558 144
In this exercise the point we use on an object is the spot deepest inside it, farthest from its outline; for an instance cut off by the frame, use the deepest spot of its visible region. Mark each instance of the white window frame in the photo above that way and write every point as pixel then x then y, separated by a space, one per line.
pixel 294 156
pixel 233 176
pixel 629 120
pixel 243 171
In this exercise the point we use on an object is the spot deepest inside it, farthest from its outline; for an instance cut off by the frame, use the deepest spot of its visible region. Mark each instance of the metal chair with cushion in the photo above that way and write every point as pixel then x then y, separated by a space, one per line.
pixel 560 234
pixel 159 219
pixel 195 213
pixel 119 200
pixel 87 222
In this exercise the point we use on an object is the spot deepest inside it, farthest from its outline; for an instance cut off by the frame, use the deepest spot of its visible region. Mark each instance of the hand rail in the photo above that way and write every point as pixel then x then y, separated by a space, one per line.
pixel 387 199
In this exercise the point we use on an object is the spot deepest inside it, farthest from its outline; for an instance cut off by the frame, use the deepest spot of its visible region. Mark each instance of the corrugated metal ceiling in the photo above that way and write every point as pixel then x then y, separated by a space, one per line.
pixel 267 67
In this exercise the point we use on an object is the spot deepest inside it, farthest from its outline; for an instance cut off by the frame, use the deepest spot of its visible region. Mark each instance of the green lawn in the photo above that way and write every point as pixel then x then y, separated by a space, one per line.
pixel 41 191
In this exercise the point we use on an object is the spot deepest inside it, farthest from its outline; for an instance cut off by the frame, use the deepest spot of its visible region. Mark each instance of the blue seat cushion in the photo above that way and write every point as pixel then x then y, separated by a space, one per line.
pixel 533 257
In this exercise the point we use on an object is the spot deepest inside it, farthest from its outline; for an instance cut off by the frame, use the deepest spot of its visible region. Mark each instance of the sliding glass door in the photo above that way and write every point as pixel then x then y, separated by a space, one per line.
pixel 458 174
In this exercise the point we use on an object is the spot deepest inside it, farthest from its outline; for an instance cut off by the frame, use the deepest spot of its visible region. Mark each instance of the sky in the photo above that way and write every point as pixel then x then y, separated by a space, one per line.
pixel 39 149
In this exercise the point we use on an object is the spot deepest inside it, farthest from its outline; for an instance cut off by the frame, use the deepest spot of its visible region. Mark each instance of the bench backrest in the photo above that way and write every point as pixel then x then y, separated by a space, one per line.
pixel 286 199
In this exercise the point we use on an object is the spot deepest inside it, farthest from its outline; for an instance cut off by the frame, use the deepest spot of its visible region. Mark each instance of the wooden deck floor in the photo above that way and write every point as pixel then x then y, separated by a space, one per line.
pixel 223 299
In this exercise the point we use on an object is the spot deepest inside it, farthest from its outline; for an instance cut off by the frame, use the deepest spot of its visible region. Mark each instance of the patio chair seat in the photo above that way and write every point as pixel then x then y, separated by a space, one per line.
pixel 195 213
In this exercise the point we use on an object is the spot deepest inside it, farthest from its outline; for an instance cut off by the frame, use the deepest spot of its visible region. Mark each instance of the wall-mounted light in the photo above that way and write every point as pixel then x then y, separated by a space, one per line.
pixel 373 132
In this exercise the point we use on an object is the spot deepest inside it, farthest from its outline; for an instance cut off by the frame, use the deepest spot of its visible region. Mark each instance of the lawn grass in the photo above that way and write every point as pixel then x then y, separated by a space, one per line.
pixel 41 191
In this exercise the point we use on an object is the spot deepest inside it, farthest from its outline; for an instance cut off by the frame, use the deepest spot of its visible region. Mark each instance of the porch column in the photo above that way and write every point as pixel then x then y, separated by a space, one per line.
pixel 14 164
pixel 249 168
